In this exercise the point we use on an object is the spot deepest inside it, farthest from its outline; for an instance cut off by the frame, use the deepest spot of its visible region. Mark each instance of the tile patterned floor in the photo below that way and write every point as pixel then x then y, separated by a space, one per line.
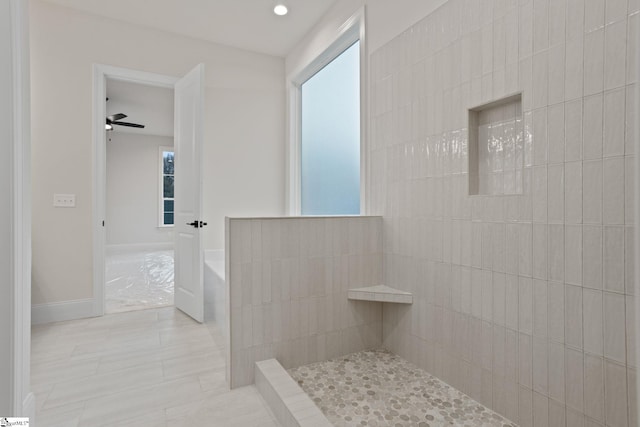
pixel 137 280
pixel 378 388
pixel 142 368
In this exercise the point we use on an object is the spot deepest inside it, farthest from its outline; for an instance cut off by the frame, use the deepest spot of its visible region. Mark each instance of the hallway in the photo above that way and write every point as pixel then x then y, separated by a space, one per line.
pixel 143 368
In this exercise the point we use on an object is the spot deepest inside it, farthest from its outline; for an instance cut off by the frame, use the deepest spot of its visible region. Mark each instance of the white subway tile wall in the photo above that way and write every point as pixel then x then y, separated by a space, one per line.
pixel 288 280
pixel 524 300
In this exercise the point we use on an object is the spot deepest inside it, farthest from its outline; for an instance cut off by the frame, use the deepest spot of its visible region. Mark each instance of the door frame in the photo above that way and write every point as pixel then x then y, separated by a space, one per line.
pixel 21 400
pixel 101 73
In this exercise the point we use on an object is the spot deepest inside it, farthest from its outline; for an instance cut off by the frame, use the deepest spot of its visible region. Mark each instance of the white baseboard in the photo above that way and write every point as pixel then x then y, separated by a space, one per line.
pixel 136 247
pixel 60 311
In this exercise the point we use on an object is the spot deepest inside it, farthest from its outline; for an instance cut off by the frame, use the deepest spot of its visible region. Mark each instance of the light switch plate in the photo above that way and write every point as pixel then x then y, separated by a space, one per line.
pixel 64 200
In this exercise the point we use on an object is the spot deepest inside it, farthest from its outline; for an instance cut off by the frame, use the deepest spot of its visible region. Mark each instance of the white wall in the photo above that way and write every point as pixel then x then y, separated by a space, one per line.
pixel 243 149
pixel 133 189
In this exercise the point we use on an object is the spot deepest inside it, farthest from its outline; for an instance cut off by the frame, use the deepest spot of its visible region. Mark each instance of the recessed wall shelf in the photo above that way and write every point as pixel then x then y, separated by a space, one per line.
pixel 381 293
pixel 496 147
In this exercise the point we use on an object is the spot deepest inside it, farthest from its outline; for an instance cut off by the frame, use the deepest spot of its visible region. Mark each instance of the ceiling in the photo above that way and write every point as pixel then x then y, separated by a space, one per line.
pixel 245 24
pixel 150 106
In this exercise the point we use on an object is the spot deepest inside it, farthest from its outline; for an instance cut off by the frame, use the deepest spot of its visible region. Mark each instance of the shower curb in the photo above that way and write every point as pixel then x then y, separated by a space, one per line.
pixel 289 403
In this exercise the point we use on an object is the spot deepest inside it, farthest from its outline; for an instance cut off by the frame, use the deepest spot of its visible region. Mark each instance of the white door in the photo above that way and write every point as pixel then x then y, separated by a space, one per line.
pixel 189 111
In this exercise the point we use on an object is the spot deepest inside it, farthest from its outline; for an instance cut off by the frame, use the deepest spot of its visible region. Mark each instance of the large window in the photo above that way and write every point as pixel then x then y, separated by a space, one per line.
pixel 166 186
pixel 330 138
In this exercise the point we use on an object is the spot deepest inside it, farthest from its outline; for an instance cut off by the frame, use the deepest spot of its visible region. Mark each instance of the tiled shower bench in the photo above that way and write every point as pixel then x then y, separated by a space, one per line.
pixel 381 293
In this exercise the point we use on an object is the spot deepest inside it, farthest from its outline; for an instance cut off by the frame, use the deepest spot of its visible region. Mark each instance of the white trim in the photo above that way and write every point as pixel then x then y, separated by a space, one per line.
pixel 135 76
pixel 292 153
pixel 162 149
pixel 99 188
pixel 23 401
pixel 636 218
pixel 365 167
pixel 61 311
pixel 100 75
pixel 352 30
pixel 227 299
pixel 348 34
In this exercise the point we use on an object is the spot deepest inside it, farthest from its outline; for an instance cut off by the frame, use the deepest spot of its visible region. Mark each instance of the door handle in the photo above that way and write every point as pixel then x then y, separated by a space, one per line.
pixel 197 224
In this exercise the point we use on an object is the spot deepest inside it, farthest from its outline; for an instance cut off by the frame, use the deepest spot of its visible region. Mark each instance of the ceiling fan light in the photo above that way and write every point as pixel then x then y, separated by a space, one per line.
pixel 280 9
pixel 108 127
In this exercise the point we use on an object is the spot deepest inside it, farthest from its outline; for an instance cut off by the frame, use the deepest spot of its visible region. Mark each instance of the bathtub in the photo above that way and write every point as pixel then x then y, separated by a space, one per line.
pixel 214 288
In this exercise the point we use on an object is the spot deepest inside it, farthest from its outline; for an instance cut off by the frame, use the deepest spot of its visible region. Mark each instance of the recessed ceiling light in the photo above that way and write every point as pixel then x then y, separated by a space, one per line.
pixel 280 9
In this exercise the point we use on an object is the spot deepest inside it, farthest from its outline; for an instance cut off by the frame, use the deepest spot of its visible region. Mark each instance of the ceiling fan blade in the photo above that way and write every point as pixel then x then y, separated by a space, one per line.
pixel 115 117
pixel 131 125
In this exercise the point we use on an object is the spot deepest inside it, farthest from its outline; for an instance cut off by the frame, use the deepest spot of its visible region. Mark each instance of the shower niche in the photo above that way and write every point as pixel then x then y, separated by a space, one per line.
pixel 496 147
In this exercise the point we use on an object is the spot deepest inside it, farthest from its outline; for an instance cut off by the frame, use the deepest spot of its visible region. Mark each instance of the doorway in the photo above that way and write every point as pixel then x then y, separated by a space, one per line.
pixel 184 208
pixel 140 176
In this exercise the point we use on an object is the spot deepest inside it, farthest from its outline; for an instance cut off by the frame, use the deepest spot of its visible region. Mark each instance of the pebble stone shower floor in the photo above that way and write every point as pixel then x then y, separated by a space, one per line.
pixel 378 388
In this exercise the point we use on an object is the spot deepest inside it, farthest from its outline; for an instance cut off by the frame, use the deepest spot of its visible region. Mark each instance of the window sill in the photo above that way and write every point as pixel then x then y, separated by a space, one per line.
pixel 166 226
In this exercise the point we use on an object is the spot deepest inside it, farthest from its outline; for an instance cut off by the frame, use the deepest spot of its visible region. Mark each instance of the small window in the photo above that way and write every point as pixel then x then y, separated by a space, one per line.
pixel 166 186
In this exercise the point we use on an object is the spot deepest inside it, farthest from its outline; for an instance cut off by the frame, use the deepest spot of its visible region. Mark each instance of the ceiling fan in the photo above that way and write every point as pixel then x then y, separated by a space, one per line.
pixel 115 120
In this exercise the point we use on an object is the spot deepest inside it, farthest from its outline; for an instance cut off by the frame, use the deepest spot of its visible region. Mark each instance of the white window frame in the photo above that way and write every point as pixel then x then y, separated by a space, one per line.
pixel 161 198
pixel 351 31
